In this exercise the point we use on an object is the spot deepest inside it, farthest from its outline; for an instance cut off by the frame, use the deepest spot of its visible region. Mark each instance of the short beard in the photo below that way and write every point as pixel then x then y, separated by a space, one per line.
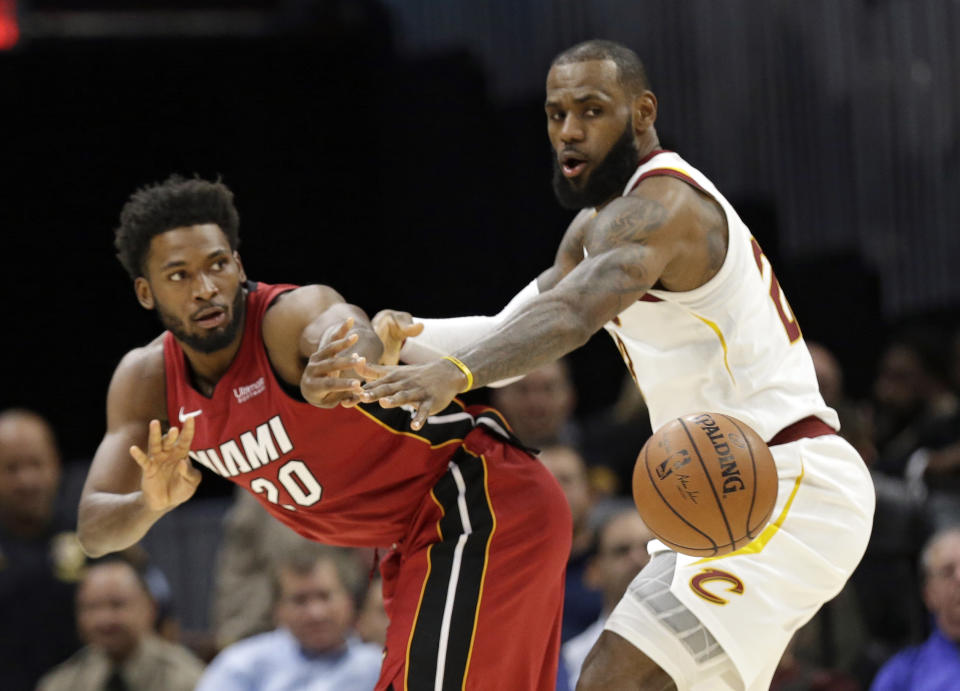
pixel 217 339
pixel 606 181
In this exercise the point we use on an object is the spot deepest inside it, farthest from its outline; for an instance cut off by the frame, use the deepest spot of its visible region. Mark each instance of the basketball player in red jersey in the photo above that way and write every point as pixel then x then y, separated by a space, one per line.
pixel 246 381
pixel 661 260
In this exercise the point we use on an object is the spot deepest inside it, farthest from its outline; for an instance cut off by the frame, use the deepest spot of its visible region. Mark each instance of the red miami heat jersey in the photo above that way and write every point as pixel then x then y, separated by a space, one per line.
pixel 343 476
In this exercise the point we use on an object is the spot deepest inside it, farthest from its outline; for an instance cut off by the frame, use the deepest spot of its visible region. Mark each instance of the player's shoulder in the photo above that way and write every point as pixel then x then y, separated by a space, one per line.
pixel 667 190
pixel 143 362
pixel 309 295
pixel 138 381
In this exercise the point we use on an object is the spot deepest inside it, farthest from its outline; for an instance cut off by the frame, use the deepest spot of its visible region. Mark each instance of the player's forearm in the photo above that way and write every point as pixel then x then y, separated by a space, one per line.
pixel 367 345
pixel 111 522
pixel 546 329
pixel 444 336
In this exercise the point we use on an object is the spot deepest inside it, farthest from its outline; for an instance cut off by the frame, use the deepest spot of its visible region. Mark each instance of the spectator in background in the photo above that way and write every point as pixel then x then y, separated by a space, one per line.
pixel 315 647
pixel 854 421
pixel 933 468
pixel 911 393
pixel 253 541
pixel 613 438
pixel 795 674
pixel 372 621
pixel 540 406
pixel 621 552
pixel 581 603
pixel 846 637
pixel 934 665
pixel 115 617
pixel 40 558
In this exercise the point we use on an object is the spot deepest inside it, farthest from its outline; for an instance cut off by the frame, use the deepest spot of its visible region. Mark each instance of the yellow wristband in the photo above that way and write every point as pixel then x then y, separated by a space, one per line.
pixel 463 368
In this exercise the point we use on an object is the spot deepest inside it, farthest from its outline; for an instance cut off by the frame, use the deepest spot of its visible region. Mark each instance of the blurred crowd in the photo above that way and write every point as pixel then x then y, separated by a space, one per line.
pixel 283 613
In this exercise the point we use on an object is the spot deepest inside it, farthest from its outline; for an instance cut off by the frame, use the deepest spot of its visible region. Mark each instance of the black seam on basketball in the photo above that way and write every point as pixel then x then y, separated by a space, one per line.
pixel 753 461
pixel 646 465
pixel 706 473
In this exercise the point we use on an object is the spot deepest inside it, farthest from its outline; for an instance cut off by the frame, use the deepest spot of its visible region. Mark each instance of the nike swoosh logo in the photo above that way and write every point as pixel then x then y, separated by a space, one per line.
pixel 186 416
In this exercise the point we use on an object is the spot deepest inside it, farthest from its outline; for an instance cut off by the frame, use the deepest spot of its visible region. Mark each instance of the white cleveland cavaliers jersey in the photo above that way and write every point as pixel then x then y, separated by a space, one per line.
pixel 730 346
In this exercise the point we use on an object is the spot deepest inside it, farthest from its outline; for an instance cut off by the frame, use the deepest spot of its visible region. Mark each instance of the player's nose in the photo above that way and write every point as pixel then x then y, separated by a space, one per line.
pixel 572 130
pixel 204 287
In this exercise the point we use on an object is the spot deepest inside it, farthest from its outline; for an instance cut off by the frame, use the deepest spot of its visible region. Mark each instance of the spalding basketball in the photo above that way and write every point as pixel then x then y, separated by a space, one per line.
pixel 705 484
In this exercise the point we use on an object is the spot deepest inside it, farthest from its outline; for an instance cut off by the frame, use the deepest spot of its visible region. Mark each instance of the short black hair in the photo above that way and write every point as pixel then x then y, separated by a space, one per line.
pixel 174 203
pixel 129 559
pixel 631 73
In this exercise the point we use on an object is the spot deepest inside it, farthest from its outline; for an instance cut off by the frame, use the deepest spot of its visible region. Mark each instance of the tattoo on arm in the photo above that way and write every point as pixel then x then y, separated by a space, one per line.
pixel 634 223
pixel 562 319
pixel 620 268
pixel 716 233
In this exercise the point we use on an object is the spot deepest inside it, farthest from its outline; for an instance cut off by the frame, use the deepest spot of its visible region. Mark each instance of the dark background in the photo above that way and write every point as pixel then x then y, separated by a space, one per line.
pixel 397 152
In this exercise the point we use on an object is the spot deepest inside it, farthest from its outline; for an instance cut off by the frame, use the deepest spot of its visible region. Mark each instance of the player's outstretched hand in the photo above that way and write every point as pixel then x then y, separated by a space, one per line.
pixel 168 478
pixel 331 376
pixel 429 388
pixel 393 328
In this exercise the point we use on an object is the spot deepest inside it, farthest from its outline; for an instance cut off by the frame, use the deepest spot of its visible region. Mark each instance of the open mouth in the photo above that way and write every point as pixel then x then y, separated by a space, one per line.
pixel 211 317
pixel 572 164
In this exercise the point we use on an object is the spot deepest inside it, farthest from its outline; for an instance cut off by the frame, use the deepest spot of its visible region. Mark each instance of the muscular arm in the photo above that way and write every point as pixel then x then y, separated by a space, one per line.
pixel 629 245
pixel 443 336
pixel 665 232
pixel 296 329
pixel 113 514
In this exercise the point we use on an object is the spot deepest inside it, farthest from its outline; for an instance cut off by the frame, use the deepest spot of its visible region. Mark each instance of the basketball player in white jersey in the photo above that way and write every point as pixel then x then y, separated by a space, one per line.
pixel 661 260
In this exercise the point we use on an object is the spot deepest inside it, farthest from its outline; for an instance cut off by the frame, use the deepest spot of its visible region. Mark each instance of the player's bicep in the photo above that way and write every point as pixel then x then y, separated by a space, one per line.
pixel 135 397
pixel 113 469
pixel 570 252
pixel 292 315
pixel 297 325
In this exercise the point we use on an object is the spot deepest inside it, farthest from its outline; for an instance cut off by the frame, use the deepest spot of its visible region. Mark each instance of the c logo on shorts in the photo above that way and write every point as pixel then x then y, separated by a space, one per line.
pixel 707 575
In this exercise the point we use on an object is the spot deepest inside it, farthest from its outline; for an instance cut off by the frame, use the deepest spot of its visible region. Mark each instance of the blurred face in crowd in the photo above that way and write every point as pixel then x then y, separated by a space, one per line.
pixel 621 553
pixel 373 621
pixel 316 607
pixel 114 610
pixel 901 381
pixel 194 280
pixel 29 472
pixel 942 587
pixel 539 405
pixel 590 127
pixel 566 465
pixel 829 375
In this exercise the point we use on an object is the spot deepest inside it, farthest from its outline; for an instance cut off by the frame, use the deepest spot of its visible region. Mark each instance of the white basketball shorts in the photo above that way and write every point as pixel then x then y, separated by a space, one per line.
pixel 724 622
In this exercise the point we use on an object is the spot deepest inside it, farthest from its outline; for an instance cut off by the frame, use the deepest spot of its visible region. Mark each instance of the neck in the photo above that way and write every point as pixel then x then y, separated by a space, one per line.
pixel 647 142
pixel 207 368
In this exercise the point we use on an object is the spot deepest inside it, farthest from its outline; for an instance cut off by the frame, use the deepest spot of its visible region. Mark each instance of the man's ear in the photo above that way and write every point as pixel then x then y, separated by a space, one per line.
pixel 243 273
pixel 144 293
pixel 644 111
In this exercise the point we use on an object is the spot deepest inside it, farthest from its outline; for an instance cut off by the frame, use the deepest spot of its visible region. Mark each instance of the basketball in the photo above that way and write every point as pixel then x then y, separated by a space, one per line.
pixel 705 484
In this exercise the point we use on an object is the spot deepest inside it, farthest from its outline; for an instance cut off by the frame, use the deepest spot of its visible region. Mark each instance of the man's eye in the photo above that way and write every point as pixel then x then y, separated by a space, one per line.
pixel 176 276
pixel 556 117
pixel 219 264
pixel 594 112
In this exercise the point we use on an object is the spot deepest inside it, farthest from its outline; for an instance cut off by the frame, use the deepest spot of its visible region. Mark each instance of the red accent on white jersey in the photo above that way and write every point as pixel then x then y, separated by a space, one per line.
pixel 730 346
